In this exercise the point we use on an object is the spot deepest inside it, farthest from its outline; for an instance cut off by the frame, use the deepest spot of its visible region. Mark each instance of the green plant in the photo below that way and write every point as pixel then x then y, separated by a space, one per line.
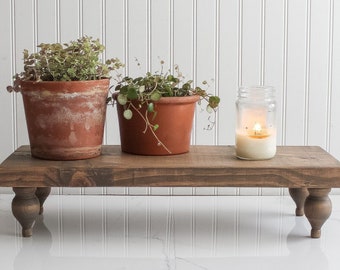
pixel 77 60
pixel 133 93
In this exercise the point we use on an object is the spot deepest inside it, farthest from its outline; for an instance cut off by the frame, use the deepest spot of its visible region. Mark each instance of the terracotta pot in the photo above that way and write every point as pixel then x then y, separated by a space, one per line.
pixel 174 117
pixel 65 120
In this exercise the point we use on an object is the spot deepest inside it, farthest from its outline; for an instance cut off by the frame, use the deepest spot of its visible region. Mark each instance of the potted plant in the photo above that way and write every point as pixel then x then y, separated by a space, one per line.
pixel 155 112
pixel 64 89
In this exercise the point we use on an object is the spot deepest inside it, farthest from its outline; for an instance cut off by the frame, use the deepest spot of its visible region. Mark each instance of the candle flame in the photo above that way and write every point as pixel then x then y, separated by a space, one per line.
pixel 257 128
pixel 258 132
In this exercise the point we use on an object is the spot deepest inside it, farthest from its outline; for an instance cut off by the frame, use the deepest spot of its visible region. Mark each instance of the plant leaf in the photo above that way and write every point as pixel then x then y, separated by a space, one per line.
pixel 122 99
pixel 214 101
pixel 141 88
pixel 127 114
pixel 151 107
pixel 155 96
pixel 209 109
pixel 132 93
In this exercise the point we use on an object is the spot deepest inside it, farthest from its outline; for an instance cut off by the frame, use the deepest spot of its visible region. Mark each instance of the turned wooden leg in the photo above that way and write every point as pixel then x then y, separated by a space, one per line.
pixel 318 208
pixel 25 208
pixel 42 194
pixel 299 196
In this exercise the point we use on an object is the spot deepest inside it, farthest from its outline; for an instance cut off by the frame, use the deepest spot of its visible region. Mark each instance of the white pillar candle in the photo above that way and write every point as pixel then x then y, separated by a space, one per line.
pixel 256 144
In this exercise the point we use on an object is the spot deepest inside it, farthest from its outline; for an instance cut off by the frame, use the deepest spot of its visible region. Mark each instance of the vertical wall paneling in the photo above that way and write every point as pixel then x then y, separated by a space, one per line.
pixel 205 63
pixel 47 14
pixel 57 20
pixel 148 35
pixel 319 73
pixel 291 45
pixel 13 70
pixel 334 145
pixel 263 39
pixel 91 18
pixel 282 121
pixel 330 73
pixel 251 42
pixel 6 71
pixel 137 36
pixel 69 19
pixel 307 72
pixel 183 36
pixel 296 73
pixel 160 30
pixel 239 42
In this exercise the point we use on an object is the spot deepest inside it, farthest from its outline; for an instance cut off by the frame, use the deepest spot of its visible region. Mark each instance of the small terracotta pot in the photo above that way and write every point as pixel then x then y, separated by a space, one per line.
pixel 174 117
pixel 65 120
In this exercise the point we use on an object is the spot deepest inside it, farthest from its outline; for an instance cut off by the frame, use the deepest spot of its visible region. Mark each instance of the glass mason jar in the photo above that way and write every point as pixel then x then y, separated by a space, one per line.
pixel 255 137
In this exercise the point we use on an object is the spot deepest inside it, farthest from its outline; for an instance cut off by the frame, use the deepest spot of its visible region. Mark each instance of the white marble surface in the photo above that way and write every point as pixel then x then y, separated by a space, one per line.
pixel 159 232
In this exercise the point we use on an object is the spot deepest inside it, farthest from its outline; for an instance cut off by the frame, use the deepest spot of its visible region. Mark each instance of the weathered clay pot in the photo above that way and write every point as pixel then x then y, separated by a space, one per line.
pixel 65 120
pixel 174 117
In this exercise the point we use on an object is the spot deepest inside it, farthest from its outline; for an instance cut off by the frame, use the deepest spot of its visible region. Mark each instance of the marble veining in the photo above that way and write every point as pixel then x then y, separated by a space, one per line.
pixel 170 233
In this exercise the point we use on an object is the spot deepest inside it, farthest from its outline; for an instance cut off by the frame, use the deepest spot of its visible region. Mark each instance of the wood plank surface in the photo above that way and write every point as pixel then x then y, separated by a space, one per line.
pixel 203 166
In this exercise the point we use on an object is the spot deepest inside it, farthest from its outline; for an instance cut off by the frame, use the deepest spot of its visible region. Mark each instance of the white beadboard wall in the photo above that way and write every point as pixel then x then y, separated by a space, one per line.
pixel 292 45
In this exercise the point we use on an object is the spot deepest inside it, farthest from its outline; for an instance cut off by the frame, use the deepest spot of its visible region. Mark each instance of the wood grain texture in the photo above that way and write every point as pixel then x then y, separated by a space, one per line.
pixel 297 167
pixel 299 196
pixel 25 208
pixel 318 208
pixel 203 166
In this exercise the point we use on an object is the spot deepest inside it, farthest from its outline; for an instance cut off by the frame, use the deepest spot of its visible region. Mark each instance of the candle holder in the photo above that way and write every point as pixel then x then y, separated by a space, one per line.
pixel 255 137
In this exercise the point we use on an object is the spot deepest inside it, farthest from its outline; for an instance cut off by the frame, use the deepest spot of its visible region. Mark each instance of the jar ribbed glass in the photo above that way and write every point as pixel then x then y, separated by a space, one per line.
pixel 255 123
